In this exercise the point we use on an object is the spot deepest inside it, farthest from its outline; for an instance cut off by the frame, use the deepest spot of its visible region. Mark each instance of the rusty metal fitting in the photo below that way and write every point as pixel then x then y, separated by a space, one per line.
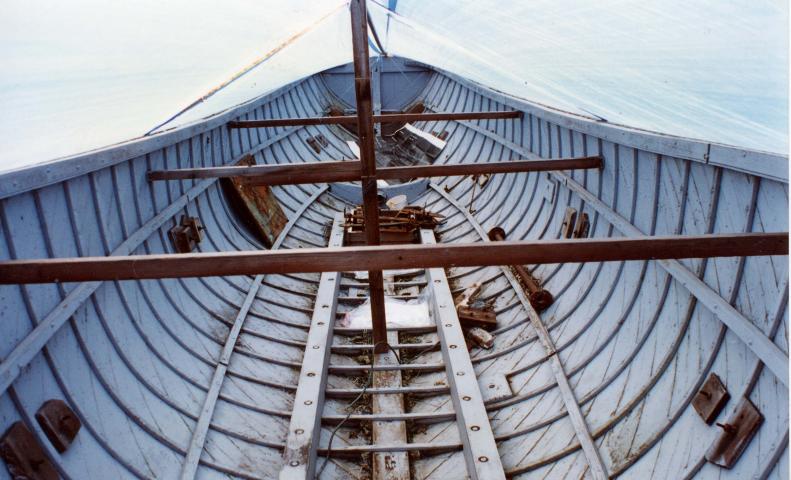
pixel 540 299
pixel 497 234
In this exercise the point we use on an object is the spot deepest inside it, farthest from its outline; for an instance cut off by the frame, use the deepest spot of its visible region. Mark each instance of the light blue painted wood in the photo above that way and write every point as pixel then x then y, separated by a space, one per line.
pixel 136 359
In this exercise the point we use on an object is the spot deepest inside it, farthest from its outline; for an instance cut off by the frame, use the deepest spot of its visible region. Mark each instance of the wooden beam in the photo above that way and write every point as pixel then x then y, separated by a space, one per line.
pixel 348 171
pixel 422 171
pixel 391 257
pixel 365 138
pixel 285 174
pixel 384 118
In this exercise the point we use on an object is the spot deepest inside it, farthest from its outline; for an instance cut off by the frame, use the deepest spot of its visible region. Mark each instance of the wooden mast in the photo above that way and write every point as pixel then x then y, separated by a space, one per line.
pixel 365 129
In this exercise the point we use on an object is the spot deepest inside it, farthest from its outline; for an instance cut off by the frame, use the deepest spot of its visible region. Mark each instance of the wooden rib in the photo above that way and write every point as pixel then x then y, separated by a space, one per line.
pixel 752 336
pixel 384 118
pixel 391 257
pixel 190 467
pixel 350 170
pixel 581 430
pixel 27 349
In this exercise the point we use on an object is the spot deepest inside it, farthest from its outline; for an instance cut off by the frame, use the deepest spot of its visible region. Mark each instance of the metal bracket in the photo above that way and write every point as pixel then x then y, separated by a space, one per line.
pixel 711 399
pixel 59 423
pixel 23 455
pixel 736 435
pixel 186 235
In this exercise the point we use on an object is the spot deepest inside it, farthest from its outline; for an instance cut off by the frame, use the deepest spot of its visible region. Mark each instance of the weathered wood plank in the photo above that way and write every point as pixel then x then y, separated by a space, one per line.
pixel 349 170
pixel 385 118
pixel 299 456
pixel 388 465
pixel 399 257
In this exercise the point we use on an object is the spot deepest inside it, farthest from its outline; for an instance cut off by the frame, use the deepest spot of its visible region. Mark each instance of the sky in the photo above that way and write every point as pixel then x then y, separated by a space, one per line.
pixel 84 74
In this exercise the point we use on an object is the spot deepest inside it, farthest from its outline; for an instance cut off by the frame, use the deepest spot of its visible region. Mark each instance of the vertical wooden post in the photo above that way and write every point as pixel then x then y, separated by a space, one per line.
pixel 365 129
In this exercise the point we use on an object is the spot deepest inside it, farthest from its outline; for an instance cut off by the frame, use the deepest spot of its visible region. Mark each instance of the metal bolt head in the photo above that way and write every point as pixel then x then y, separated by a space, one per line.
pixel 448 325
pixel 299 431
pixel 316 347
pixel 483 459
pixel 459 374
pixel 308 402
pixel 311 374
pixel 453 346
pixel 496 234
pixel 294 463
pixel 466 398
pixel 475 428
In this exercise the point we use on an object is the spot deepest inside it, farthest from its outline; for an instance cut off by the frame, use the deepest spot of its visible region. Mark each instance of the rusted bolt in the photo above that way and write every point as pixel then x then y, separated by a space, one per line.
pixel 704 393
pixel 466 398
pixel 728 428
pixel 497 234
pixel 475 428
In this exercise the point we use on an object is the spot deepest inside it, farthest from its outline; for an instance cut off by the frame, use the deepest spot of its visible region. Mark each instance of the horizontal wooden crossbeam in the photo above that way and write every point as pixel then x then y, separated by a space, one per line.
pixel 384 118
pixel 390 257
pixel 347 171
